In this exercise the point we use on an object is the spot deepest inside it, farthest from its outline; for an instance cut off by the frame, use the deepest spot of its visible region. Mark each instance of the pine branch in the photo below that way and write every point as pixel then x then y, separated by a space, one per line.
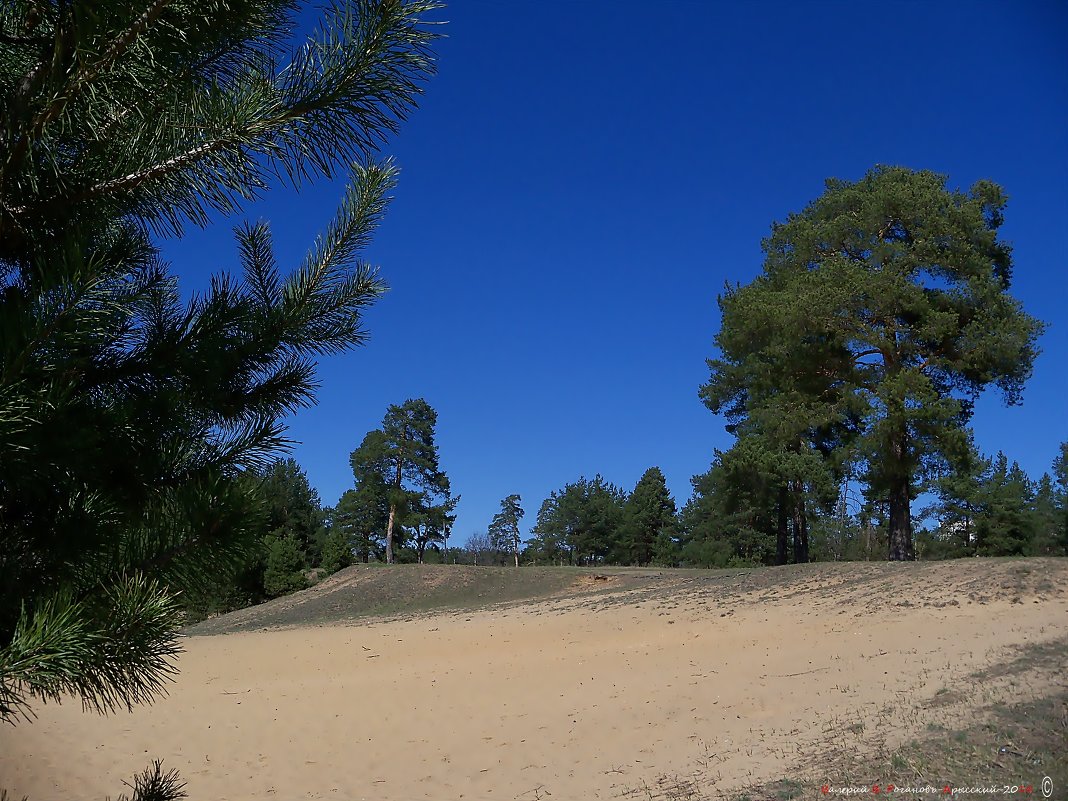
pixel 337 99
pixel 121 658
pixel 152 784
pixel 85 73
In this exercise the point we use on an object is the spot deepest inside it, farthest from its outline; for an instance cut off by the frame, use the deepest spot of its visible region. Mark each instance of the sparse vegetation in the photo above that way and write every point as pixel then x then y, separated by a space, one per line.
pixel 145 497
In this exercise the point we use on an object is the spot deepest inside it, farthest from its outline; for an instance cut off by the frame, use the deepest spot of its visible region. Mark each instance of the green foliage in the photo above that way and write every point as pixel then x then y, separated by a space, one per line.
pixel 288 507
pixel 1046 515
pixel 665 550
pixel 1006 526
pixel 961 499
pixel 1060 495
pixel 127 416
pixel 580 524
pixel 504 529
pixel 992 508
pixel 153 784
pixel 733 511
pixel 882 312
pixel 292 506
pixel 337 552
pixel 112 648
pixel 284 571
pixel 361 515
pixel 753 499
pixel 399 462
pixel 649 519
pixel 431 522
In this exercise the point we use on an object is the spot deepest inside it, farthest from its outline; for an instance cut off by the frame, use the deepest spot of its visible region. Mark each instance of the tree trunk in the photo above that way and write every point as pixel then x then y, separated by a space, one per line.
pixel 782 532
pixel 393 510
pixel 900 521
pixel 800 524
pixel 900 513
pixel 389 534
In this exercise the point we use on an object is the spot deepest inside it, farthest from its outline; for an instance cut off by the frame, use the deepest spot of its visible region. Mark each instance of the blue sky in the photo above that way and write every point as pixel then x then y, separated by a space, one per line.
pixel 583 176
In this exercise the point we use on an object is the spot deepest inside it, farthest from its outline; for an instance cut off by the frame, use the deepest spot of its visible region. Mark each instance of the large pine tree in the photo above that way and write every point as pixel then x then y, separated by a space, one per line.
pixel 402 455
pixel 886 303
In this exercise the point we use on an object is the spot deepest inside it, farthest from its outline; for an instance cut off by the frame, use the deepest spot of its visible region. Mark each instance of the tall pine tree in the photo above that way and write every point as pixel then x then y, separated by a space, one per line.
pixel 403 456
pixel 891 293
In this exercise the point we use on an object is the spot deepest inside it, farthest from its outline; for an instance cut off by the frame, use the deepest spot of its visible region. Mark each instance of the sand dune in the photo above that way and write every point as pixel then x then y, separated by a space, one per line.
pixel 575 698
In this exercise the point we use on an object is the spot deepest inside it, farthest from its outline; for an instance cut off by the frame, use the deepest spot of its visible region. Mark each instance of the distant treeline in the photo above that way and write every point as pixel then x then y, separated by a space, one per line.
pixel 732 519
pixel 735 518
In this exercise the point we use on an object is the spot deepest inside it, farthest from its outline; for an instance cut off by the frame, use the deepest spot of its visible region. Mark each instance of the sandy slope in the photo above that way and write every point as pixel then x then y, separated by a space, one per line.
pixel 580 699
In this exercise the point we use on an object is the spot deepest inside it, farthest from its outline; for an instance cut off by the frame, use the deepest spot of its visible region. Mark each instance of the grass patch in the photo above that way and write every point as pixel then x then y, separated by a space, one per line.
pixel 1002 744
pixel 369 591
pixel 1007 745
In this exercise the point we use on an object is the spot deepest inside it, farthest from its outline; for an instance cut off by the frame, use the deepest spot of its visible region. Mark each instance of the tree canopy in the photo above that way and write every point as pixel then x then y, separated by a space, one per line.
pixel 881 314
pixel 580 524
pixel 503 530
pixel 649 518
pixel 401 459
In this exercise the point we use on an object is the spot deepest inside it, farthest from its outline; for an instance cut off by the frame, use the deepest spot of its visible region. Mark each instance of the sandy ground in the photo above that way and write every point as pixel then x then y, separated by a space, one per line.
pixel 560 700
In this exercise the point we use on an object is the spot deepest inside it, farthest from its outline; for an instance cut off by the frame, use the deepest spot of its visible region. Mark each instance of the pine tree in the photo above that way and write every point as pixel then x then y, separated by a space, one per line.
pixel 128 416
pixel 503 531
pixel 583 522
pixel 961 503
pixel 402 456
pixel 363 512
pixel 432 520
pixel 293 507
pixel 649 516
pixel 1007 525
pixel 892 294
pixel 548 541
pixel 1060 495
pixel 284 571
pixel 1046 530
pixel 738 511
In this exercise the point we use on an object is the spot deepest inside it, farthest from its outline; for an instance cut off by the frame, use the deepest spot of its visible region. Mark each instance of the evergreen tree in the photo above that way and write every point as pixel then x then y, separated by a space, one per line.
pixel 1060 495
pixel 1046 520
pixel 128 416
pixel 402 456
pixel 432 521
pixel 665 550
pixel 293 508
pixel 961 503
pixel 337 551
pixel 737 513
pixel 1007 525
pixel 504 529
pixel 548 542
pixel 649 516
pixel 900 286
pixel 363 512
pixel 582 522
pixel 284 572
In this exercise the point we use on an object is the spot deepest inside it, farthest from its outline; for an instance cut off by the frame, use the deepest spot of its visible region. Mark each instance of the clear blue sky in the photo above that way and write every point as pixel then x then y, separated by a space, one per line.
pixel 583 176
